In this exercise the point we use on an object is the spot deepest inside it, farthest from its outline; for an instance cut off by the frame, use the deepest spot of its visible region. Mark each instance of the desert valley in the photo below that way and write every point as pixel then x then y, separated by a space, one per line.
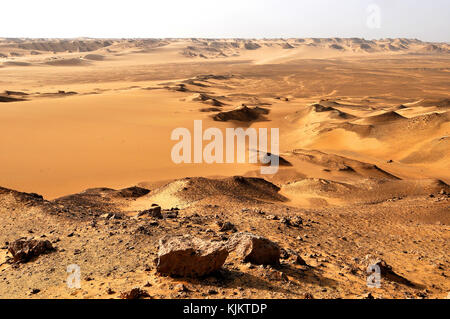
pixel 87 178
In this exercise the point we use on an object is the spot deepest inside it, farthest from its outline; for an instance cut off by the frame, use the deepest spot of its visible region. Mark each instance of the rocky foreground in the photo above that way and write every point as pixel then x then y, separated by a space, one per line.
pixel 226 246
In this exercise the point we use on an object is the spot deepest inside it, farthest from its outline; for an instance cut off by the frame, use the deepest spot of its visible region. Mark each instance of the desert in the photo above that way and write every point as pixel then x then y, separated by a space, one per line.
pixel 87 176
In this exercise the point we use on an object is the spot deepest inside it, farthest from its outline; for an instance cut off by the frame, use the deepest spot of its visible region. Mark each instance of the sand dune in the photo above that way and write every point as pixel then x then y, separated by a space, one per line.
pixel 207 99
pixel 335 113
pixel 205 49
pixel 67 62
pixel 433 151
pixel 445 103
pixel 59 45
pixel 383 118
pixel 318 187
pixel 94 57
pixel 343 164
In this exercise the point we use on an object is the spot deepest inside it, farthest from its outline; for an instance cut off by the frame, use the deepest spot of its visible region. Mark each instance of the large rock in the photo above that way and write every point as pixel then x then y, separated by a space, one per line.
pixel 23 250
pixel 135 293
pixel 254 249
pixel 188 256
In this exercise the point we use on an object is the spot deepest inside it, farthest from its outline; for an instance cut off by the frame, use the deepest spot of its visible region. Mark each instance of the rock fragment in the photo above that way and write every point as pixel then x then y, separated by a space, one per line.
pixel 135 293
pixel 254 249
pixel 154 211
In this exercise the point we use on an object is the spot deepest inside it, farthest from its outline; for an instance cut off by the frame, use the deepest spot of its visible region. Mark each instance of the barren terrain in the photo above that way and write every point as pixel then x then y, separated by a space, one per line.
pixel 365 164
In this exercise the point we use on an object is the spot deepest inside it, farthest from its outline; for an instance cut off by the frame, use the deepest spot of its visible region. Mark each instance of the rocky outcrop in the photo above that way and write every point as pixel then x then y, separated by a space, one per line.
pixel 24 250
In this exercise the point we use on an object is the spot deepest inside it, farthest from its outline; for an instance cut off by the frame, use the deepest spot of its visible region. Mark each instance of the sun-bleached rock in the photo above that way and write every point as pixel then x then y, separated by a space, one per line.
pixel 254 249
pixel 188 256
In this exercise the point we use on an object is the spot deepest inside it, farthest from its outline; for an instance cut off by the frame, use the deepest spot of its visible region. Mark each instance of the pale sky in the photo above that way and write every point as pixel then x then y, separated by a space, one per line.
pixel 422 19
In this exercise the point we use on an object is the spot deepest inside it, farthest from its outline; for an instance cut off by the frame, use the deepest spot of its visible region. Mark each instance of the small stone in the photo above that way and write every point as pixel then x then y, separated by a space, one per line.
pixel 172 214
pixel 135 293
pixel 188 256
pixel 300 261
pixel 34 291
pixel 143 230
pixel 147 267
pixel 296 221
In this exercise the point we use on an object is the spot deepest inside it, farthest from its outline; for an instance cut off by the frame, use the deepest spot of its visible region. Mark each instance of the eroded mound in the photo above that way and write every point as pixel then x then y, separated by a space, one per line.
pixel 9 196
pixel 62 45
pixel 318 186
pixel 188 190
pixel 342 164
pixel 98 201
pixel 242 114
pixel 68 62
pixel 95 57
pixel 6 99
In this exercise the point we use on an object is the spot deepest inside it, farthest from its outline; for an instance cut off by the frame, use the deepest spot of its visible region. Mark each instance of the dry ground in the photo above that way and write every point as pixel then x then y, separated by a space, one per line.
pixel 364 132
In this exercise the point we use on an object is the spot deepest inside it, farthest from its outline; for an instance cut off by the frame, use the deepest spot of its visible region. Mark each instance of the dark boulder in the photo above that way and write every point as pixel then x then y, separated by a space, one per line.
pixel 24 250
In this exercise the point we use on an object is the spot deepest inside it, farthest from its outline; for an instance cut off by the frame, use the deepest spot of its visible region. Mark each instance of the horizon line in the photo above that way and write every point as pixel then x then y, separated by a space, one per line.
pixel 215 38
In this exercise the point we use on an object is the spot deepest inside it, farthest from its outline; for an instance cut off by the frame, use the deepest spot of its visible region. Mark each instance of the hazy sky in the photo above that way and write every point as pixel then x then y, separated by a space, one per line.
pixel 425 20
